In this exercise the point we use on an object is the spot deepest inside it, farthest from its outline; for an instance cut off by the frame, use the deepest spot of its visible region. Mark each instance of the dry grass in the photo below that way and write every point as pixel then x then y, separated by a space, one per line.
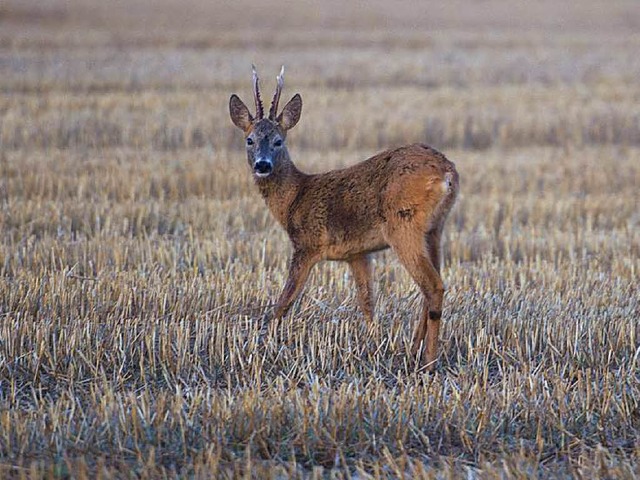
pixel 136 257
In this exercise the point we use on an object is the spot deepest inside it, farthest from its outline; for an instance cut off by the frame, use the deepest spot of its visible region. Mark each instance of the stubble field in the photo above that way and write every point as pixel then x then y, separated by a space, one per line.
pixel 136 258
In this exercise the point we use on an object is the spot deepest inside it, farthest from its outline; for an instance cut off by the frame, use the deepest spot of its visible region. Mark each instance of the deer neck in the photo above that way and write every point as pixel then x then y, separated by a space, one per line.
pixel 280 189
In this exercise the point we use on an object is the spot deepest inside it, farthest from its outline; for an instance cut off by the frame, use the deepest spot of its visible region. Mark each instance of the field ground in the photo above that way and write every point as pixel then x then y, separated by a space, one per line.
pixel 136 256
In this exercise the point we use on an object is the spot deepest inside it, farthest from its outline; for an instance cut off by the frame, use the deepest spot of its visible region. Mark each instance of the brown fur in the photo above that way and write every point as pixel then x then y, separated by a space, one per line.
pixel 399 198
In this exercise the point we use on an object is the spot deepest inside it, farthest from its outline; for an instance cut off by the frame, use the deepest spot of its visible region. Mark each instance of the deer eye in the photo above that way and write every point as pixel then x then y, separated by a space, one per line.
pixel 277 143
pixel 249 141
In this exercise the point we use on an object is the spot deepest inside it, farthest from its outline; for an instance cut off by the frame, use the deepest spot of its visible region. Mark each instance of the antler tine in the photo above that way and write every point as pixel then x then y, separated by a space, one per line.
pixel 256 93
pixel 273 111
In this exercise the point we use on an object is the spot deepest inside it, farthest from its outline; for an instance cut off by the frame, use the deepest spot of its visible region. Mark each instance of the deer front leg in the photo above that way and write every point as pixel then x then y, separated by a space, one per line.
pixel 361 271
pixel 299 268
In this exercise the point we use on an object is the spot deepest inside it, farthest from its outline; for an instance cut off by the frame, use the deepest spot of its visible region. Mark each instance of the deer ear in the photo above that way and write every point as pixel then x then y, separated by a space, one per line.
pixel 291 113
pixel 239 112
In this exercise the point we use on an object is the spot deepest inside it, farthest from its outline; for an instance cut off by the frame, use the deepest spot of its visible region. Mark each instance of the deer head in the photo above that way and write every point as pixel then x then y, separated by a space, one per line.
pixel 265 137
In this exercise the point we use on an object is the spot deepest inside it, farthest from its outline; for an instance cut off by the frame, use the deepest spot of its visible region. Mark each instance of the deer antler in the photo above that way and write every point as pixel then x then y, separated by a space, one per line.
pixel 256 94
pixel 273 111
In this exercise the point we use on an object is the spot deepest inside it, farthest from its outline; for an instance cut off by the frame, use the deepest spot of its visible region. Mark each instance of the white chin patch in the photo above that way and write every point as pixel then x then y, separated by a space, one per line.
pixel 262 175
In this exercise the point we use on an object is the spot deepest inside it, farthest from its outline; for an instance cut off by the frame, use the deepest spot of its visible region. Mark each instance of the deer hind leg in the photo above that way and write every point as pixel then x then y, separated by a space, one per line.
pixel 433 238
pixel 361 270
pixel 411 245
pixel 299 268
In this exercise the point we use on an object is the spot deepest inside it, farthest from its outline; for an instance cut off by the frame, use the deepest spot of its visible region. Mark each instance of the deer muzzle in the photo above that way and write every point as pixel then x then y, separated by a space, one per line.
pixel 263 167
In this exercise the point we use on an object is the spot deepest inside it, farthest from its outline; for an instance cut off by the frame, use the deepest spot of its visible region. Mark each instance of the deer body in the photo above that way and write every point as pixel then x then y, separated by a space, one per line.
pixel 399 198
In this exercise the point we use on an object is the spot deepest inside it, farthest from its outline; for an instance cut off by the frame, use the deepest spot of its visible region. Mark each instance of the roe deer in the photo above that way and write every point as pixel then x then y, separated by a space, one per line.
pixel 399 198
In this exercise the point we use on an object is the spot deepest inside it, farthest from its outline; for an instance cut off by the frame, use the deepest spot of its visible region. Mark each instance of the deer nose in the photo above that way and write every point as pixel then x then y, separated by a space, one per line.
pixel 263 167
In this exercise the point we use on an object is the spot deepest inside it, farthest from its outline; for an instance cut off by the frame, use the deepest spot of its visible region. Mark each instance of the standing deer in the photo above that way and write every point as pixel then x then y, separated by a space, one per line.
pixel 399 198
